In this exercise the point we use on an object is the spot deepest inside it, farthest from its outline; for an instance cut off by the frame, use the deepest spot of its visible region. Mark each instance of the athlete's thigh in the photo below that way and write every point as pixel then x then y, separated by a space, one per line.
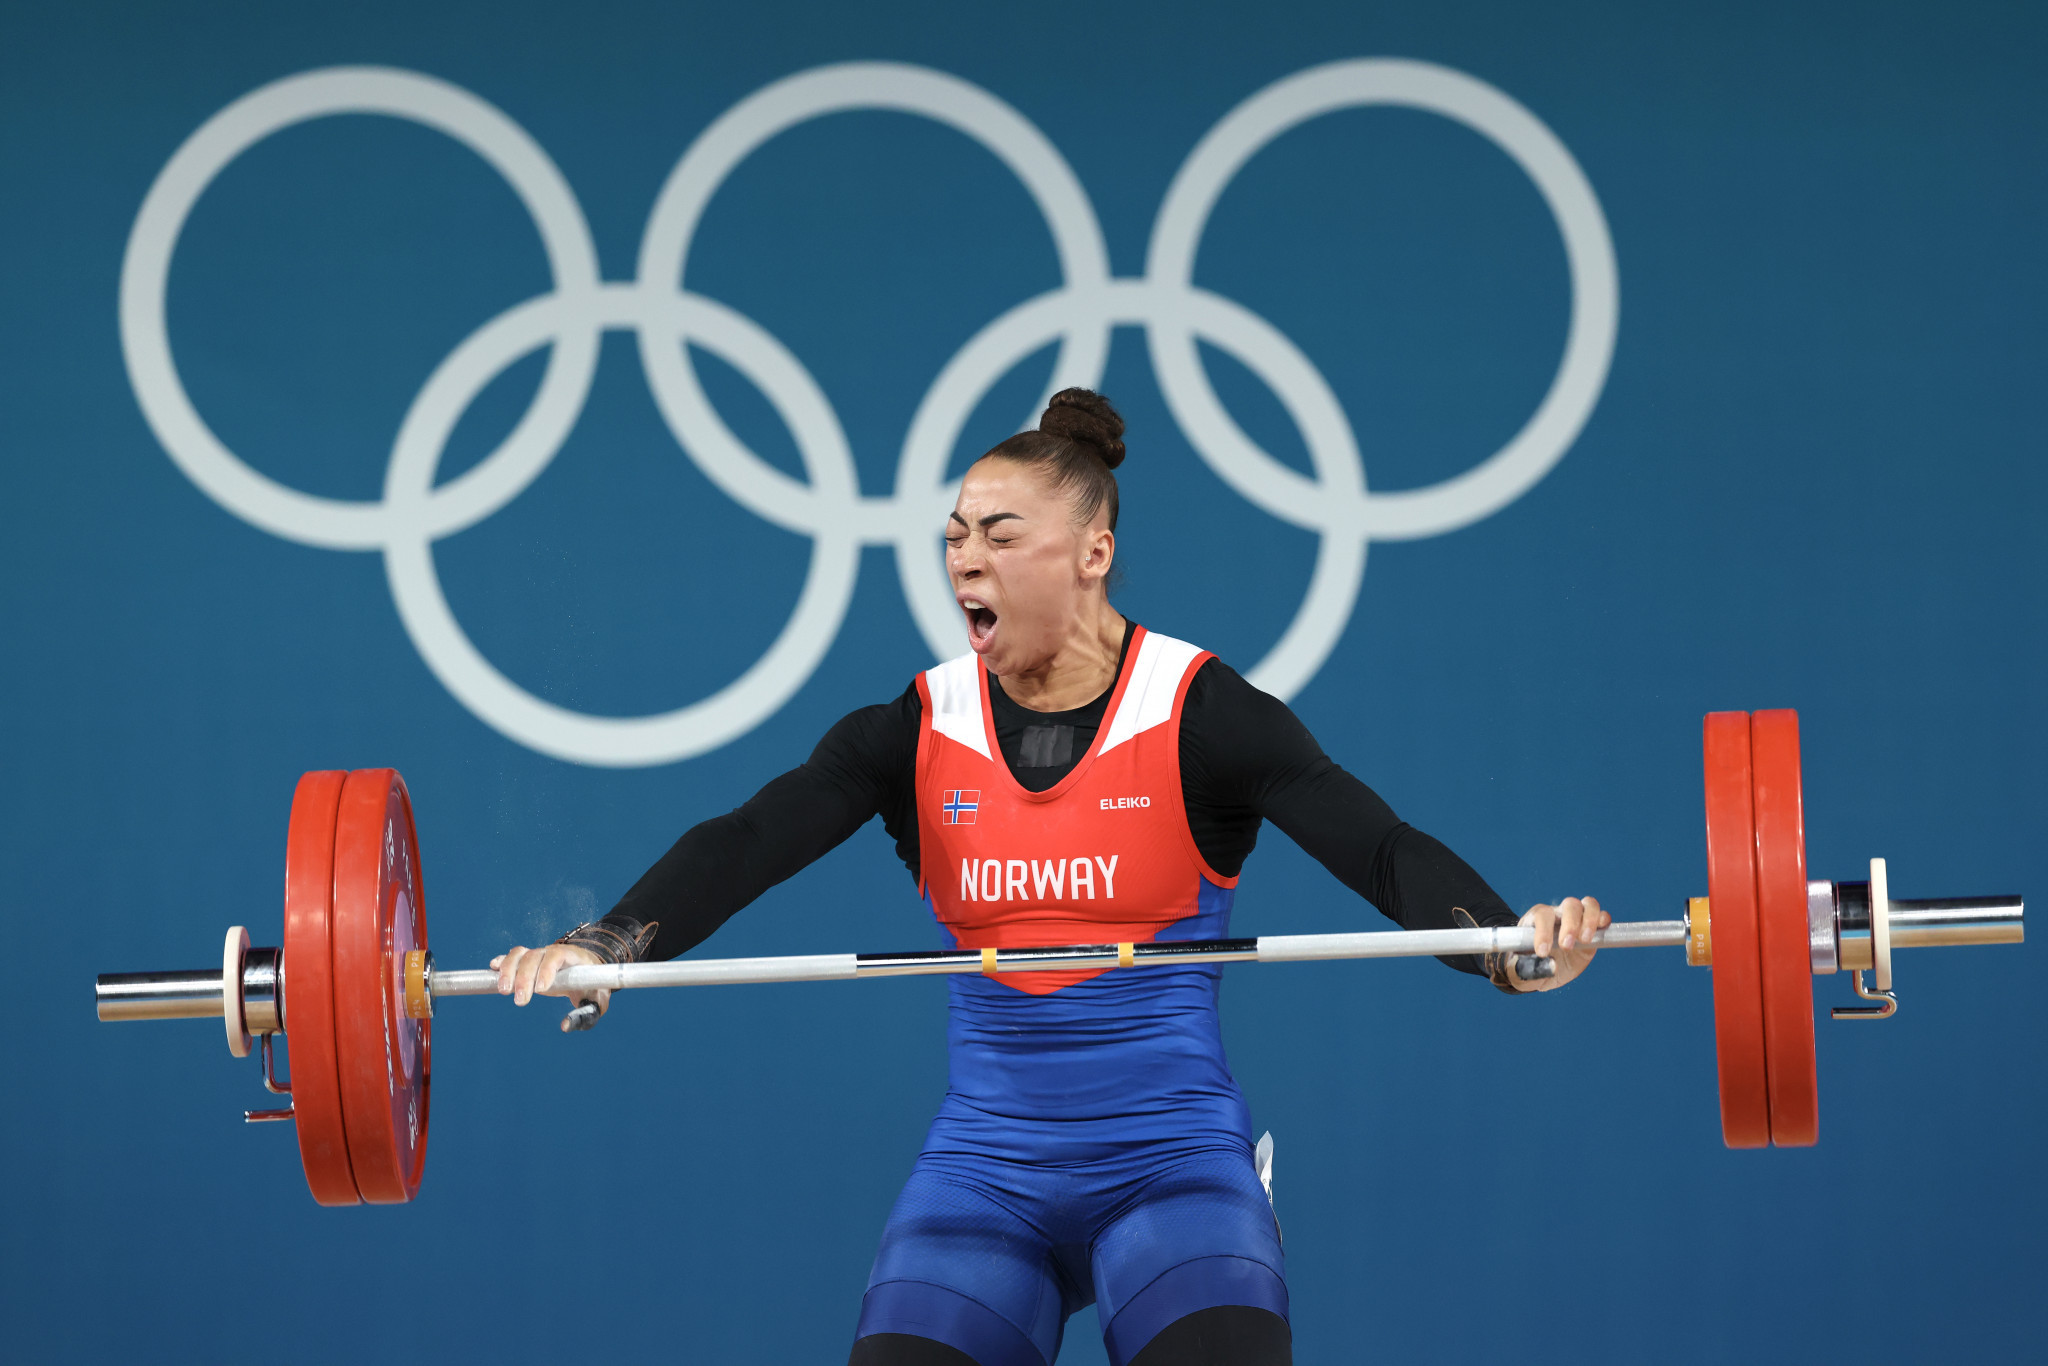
pixel 961 1264
pixel 1197 1234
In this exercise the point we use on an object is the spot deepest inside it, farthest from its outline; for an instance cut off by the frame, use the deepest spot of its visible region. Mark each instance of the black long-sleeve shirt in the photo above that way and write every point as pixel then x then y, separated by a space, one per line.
pixel 1244 758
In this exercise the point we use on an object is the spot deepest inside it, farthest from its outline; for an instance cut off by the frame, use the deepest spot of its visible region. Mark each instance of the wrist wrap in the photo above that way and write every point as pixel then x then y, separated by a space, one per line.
pixel 621 940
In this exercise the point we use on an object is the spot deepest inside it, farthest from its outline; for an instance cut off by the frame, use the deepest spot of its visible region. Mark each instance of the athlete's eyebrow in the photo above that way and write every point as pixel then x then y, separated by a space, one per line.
pixel 989 520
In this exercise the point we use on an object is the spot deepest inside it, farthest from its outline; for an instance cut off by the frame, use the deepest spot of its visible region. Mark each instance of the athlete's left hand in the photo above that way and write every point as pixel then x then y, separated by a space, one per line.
pixel 525 973
pixel 1561 934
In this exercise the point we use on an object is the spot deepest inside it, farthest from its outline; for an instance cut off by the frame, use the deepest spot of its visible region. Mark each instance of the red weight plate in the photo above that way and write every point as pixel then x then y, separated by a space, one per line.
pixel 1731 899
pixel 308 969
pixel 1781 928
pixel 385 1057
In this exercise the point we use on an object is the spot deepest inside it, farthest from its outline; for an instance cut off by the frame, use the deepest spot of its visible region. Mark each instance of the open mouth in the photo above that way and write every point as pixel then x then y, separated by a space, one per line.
pixel 981 622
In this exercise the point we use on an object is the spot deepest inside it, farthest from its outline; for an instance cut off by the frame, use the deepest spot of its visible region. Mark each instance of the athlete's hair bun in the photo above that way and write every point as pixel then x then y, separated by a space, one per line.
pixel 1078 442
pixel 1086 418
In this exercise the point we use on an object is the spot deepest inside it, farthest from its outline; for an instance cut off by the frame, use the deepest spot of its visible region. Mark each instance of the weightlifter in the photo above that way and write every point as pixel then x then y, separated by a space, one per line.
pixel 1074 779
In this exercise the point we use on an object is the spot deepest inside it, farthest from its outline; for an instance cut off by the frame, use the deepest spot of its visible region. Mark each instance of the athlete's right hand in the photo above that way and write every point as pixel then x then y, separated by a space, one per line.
pixel 524 973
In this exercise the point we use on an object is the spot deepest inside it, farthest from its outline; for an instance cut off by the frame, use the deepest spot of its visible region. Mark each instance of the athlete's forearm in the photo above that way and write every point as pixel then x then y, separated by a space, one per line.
pixel 1420 882
pixel 1412 877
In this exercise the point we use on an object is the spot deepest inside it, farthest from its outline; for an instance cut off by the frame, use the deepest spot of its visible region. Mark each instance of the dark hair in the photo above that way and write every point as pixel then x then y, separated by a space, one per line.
pixel 1077 444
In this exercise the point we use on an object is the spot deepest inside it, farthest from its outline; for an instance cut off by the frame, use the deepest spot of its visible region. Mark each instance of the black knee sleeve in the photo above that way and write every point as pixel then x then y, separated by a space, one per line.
pixel 905 1349
pixel 1226 1335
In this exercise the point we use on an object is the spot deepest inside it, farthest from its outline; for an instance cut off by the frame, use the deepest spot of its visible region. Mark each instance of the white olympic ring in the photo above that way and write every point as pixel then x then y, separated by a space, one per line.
pixel 827 504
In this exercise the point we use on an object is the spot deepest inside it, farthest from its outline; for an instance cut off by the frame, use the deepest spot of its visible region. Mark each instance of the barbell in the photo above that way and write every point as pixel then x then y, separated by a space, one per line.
pixel 356 984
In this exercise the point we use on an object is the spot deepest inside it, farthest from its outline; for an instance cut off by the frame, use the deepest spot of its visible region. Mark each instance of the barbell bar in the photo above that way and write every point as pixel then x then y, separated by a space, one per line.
pixel 1844 937
pixel 1913 924
pixel 355 986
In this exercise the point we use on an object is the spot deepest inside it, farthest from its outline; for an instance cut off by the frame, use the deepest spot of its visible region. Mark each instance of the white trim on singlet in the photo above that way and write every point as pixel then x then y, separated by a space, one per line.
pixel 955 689
pixel 1156 676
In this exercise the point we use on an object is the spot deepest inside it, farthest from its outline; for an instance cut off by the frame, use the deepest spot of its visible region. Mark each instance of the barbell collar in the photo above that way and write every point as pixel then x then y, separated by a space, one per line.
pixel 1823 934
pixel 262 992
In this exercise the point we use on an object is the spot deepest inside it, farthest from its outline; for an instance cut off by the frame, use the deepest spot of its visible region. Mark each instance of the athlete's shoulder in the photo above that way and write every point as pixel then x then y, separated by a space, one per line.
pixel 1233 729
pixel 1217 684
pixel 876 735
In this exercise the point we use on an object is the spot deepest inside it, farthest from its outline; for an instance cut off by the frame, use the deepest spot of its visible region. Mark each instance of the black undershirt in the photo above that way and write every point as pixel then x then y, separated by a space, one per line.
pixel 1244 758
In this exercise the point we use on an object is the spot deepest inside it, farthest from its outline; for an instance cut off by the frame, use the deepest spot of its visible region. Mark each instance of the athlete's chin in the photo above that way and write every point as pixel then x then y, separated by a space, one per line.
pixel 1001 656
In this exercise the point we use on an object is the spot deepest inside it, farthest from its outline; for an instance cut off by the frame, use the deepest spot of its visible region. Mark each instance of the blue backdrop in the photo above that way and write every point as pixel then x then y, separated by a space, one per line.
pixel 1809 476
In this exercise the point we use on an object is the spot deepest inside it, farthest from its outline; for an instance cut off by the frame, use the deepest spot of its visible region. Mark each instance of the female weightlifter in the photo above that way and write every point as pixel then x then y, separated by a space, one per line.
pixel 1075 779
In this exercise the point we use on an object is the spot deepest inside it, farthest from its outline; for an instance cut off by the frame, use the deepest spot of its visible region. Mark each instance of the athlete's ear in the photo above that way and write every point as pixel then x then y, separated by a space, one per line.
pixel 1098 553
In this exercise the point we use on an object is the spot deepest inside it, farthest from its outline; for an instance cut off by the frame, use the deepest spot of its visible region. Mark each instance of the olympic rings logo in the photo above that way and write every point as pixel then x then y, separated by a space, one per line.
pixel 827 505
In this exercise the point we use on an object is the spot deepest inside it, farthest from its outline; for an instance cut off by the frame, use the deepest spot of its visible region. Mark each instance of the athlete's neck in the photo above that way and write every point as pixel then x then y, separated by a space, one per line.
pixel 1078 671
